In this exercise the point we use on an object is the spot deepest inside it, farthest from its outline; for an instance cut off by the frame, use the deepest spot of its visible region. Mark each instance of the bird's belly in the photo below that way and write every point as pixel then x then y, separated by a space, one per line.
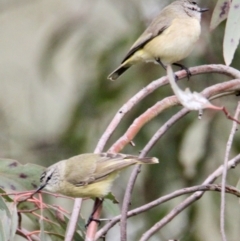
pixel 175 43
pixel 97 189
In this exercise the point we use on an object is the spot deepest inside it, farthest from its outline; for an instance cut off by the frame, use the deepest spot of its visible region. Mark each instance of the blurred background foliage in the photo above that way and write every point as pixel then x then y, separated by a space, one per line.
pixel 55 102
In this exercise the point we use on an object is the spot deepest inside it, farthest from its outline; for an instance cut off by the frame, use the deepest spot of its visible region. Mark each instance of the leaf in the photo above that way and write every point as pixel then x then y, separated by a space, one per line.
pixel 6 197
pixel 232 32
pixel 3 223
pixel 17 177
pixel 8 221
pixel 111 197
pixel 4 207
pixel 111 207
pixel 220 13
pixel 194 139
pixel 14 220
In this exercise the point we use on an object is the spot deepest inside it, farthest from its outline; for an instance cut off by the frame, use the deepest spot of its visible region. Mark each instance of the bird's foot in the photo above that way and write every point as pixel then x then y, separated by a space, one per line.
pixel 185 68
pixel 92 219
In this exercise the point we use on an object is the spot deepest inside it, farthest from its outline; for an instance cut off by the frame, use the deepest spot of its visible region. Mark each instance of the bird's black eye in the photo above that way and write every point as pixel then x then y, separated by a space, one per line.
pixel 49 177
pixel 194 3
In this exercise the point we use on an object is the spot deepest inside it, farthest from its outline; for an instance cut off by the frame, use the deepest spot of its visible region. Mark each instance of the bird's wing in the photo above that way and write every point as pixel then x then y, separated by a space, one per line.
pixel 90 168
pixel 80 169
pixel 157 27
pixel 112 162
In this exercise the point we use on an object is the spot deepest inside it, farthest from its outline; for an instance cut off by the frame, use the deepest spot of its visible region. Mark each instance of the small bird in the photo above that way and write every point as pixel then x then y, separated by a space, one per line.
pixel 168 39
pixel 88 175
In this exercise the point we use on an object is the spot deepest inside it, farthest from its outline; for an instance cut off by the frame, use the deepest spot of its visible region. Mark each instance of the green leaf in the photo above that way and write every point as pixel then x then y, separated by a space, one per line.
pixel 194 139
pixel 111 207
pixel 111 197
pixel 232 32
pixel 8 221
pixel 3 222
pixel 6 197
pixel 14 220
pixel 3 206
pixel 17 177
pixel 220 13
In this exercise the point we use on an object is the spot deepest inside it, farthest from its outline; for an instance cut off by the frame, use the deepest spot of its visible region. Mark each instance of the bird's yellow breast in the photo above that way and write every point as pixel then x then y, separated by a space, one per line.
pixel 96 189
pixel 174 44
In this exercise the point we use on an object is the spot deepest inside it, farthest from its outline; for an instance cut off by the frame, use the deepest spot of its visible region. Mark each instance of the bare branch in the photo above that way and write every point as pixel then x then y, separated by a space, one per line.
pixel 198 193
pixel 126 201
pixel 220 69
pixel 188 201
pixel 139 122
pixel 134 129
pixel 74 219
pixel 228 86
pixel 136 170
pixel 163 129
pixel 224 176
pixel 25 234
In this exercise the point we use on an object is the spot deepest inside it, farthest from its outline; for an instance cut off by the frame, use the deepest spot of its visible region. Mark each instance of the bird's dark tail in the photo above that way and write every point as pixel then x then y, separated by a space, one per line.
pixel 117 72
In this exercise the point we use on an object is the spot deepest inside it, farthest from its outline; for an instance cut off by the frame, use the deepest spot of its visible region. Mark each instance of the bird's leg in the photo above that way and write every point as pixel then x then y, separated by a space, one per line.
pixel 160 62
pixel 185 68
pixel 98 202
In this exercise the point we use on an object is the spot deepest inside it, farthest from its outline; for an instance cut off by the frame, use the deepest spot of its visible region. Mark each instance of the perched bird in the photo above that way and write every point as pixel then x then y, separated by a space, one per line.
pixel 168 39
pixel 88 175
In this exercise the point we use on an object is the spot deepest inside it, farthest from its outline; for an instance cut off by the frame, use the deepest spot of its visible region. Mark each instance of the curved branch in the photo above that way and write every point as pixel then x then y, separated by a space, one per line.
pixel 74 219
pixel 138 97
pixel 213 68
pixel 188 201
pixel 137 125
pixel 137 168
pixel 228 86
pixel 199 190
pixel 224 176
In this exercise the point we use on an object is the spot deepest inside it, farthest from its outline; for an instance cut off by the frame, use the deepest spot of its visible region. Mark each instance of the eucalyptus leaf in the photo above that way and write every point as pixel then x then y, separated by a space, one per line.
pixel 8 221
pixel 14 220
pixel 4 207
pixel 3 231
pixel 232 32
pixel 110 207
pixel 17 177
pixel 220 13
pixel 193 146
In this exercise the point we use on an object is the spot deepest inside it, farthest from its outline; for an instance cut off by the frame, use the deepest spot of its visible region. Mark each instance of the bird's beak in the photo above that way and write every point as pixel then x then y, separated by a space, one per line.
pixel 39 189
pixel 203 10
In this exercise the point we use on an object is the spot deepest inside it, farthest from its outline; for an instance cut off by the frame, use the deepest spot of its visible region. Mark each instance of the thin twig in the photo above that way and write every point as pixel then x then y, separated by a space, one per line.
pixel 224 176
pixel 74 219
pixel 24 233
pixel 126 201
pixel 139 122
pixel 163 129
pixel 188 201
